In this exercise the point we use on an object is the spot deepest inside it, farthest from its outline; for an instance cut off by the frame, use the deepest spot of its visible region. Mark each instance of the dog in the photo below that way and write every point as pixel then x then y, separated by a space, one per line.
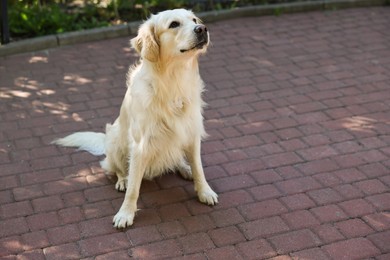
pixel 160 124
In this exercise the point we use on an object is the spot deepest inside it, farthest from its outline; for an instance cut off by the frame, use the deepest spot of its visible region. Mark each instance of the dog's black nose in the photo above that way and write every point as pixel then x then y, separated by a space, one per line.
pixel 200 29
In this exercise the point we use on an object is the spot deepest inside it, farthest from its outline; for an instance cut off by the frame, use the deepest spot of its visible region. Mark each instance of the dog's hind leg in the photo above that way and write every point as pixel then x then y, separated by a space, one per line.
pixel 109 166
pixel 117 155
pixel 185 170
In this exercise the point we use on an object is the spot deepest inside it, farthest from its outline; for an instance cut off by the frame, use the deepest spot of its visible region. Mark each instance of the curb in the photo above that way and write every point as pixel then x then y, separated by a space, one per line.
pixel 285 8
pixel 69 38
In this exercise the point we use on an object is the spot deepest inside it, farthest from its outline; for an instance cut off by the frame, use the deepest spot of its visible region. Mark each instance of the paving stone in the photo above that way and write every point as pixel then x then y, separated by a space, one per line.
pixel 227 217
pixel 226 236
pixel 352 248
pixel 381 201
pixel 256 249
pixel 35 240
pixel 300 219
pixel 381 240
pixel 171 229
pixel 357 207
pixel 314 253
pixel 379 221
pixel 103 244
pixel 294 241
pixel 64 251
pixel 167 248
pixel 143 235
pixel 263 227
pixel 228 252
pixel 328 233
pixel 329 213
pixel 119 255
pixel 262 209
pixel 197 242
pixel 64 234
pixel 198 223
pixel 298 185
pixel 16 209
pixel 354 228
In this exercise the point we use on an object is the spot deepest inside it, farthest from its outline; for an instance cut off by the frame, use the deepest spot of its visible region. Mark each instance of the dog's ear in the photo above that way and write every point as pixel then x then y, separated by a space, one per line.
pixel 146 43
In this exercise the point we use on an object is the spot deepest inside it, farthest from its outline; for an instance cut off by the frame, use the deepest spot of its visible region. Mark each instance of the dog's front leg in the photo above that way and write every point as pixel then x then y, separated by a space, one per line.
pixel 205 193
pixel 137 166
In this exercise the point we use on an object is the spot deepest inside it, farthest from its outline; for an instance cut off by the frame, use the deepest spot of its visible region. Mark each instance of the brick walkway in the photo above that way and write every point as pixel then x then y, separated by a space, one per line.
pixel 299 147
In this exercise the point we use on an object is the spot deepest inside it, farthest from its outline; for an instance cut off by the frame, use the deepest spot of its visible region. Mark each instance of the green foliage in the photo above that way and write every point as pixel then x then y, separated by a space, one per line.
pixel 30 18
pixel 278 12
pixel 37 20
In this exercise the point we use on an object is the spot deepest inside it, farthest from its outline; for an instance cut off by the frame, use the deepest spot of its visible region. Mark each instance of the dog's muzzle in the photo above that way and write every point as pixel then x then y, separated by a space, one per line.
pixel 202 37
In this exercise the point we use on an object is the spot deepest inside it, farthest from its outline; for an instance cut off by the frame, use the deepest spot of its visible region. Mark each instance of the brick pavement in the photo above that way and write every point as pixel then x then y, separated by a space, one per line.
pixel 298 151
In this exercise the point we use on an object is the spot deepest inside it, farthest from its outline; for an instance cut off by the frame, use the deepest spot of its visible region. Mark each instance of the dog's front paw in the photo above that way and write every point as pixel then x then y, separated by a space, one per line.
pixel 208 196
pixel 121 184
pixel 123 219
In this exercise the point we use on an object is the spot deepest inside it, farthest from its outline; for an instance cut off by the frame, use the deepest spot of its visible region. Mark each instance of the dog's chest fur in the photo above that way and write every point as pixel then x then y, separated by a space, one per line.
pixel 165 118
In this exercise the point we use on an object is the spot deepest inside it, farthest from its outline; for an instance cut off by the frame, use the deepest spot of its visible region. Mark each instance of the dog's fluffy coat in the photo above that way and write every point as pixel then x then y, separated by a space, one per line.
pixel 160 125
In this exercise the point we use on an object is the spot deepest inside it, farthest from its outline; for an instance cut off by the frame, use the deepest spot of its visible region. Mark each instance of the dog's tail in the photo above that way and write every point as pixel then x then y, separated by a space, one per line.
pixel 91 142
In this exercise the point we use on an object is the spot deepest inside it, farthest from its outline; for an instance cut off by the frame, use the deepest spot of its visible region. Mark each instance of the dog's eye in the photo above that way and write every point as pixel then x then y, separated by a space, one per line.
pixel 194 20
pixel 174 24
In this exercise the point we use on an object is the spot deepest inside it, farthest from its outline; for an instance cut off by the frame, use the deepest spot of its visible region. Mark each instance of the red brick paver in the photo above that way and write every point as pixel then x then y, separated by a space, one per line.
pixel 299 147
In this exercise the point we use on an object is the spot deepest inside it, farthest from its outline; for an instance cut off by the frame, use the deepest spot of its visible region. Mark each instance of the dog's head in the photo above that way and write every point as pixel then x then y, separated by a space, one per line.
pixel 170 34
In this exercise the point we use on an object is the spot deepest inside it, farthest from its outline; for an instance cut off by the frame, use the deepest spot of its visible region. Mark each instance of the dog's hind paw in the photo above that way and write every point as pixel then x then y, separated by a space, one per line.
pixel 123 219
pixel 208 197
pixel 187 175
pixel 121 184
pixel 185 171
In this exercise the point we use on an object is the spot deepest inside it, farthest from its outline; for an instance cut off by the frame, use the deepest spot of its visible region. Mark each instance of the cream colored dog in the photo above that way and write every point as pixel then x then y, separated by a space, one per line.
pixel 160 125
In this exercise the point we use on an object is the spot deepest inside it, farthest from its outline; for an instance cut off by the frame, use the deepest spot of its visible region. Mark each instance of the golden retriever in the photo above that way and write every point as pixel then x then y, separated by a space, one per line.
pixel 160 124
